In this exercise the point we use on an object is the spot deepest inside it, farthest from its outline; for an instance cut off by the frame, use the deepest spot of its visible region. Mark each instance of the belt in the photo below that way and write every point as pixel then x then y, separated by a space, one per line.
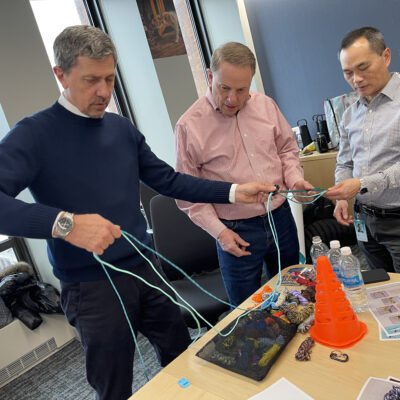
pixel 379 212
pixel 257 216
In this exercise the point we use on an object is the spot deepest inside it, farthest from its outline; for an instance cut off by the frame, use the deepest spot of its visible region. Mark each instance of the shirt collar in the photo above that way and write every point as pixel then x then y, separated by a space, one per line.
pixel 210 99
pixel 392 86
pixel 70 107
pixel 389 90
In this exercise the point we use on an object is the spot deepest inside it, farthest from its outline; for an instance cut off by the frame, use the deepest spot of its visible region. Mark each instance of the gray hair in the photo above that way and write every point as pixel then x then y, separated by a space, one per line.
pixel 82 40
pixel 374 36
pixel 234 53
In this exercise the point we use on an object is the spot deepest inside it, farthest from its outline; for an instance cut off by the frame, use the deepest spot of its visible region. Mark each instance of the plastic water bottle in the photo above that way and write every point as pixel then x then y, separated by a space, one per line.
pixel 334 256
pixel 318 248
pixel 352 280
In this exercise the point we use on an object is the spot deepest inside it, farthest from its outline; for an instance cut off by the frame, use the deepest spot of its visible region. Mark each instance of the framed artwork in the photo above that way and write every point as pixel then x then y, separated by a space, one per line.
pixel 162 29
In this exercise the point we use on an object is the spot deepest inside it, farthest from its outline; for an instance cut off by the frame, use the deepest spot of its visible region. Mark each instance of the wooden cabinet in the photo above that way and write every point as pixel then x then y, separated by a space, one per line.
pixel 319 168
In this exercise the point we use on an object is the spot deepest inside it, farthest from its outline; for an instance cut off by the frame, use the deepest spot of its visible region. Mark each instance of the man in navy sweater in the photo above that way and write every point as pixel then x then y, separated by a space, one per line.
pixel 83 167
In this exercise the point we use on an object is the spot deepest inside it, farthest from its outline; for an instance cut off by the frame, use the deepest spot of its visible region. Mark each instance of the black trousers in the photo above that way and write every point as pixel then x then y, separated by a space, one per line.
pixel 95 311
pixel 383 247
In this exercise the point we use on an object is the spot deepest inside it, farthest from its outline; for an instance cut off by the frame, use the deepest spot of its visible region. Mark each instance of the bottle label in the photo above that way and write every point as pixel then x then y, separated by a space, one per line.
pixel 352 281
pixel 336 270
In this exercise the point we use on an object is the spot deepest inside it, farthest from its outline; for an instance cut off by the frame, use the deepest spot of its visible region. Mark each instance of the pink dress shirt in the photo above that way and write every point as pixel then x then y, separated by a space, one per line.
pixel 257 144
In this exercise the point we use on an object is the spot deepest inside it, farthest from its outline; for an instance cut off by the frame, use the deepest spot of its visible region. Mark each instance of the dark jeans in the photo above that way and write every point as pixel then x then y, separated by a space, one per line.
pixel 94 310
pixel 242 275
pixel 383 247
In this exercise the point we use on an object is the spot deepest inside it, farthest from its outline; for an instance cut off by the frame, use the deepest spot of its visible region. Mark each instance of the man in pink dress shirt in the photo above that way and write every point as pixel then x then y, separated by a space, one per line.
pixel 234 134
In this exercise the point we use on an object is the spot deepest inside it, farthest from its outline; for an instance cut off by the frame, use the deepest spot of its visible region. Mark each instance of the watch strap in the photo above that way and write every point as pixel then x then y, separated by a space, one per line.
pixel 363 187
pixel 53 229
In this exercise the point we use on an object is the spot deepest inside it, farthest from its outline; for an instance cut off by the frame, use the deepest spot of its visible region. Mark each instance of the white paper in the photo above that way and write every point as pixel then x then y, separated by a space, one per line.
pixel 282 389
pixel 384 304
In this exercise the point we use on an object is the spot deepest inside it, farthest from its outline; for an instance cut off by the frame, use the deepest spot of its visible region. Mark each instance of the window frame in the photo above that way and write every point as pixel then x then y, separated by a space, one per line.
pixel 18 245
pixel 203 41
pixel 96 19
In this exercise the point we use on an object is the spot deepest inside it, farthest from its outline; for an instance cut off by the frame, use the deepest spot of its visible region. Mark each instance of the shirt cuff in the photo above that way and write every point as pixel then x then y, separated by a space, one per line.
pixel 232 196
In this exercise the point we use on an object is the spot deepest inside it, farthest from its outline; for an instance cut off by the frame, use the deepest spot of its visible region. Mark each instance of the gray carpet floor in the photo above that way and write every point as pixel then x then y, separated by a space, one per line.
pixel 62 375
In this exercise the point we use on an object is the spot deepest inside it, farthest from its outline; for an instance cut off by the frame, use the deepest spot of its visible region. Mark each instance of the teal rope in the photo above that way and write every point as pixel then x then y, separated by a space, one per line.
pixel 314 197
pixel 303 190
pixel 102 262
pixel 126 317
pixel 174 266
pixel 189 308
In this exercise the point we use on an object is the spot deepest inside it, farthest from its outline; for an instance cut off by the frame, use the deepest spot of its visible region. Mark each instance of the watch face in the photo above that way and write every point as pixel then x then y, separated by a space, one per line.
pixel 65 224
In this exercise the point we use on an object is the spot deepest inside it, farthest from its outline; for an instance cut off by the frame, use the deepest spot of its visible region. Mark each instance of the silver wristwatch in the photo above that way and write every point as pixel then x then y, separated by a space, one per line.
pixel 64 225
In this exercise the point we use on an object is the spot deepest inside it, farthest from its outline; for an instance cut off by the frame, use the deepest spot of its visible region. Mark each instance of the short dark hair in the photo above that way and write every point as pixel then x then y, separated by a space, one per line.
pixel 374 36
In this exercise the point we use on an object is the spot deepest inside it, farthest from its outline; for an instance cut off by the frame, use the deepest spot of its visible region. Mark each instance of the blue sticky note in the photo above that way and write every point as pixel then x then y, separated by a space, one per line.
pixel 184 382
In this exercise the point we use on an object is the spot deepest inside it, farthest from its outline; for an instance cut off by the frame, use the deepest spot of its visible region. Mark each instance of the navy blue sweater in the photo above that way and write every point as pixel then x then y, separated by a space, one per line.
pixel 85 166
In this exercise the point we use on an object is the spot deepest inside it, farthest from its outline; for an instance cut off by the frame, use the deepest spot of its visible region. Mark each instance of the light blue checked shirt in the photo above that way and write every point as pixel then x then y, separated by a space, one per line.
pixel 370 146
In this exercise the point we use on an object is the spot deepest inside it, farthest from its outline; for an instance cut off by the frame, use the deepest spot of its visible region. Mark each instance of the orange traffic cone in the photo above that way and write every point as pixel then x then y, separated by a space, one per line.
pixel 336 324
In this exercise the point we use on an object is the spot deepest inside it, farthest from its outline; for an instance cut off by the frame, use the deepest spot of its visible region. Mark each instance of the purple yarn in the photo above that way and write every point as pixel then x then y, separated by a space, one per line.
pixel 302 299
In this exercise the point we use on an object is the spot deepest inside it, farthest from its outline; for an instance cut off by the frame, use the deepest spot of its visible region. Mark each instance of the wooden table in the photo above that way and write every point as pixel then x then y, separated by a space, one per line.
pixel 321 377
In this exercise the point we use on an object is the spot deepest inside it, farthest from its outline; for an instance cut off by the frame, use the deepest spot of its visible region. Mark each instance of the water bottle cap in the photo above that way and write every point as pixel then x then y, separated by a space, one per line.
pixel 316 239
pixel 345 251
pixel 335 244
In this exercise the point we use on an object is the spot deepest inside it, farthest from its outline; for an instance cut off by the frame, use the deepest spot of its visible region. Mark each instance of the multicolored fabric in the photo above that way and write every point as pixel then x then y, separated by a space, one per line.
pixel 253 347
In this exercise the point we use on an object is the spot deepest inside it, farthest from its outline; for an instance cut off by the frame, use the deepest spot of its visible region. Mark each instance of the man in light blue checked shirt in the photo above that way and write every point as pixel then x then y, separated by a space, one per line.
pixel 368 163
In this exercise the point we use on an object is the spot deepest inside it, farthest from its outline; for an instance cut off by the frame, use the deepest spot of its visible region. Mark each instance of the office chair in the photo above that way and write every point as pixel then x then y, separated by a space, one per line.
pixel 146 194
pixel 192 249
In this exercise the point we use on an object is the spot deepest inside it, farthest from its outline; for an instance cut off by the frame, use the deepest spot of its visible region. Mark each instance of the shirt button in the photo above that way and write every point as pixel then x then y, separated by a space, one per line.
pixel 258 174
pixel 366 148
pixel 245 134
pixel 366 129
pixel 370 111
pixel 252 155
pixel 375 189
pixel 364 167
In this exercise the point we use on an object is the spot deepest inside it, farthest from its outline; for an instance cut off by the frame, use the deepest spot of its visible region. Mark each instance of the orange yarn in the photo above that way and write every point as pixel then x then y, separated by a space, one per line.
pixel 257 297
